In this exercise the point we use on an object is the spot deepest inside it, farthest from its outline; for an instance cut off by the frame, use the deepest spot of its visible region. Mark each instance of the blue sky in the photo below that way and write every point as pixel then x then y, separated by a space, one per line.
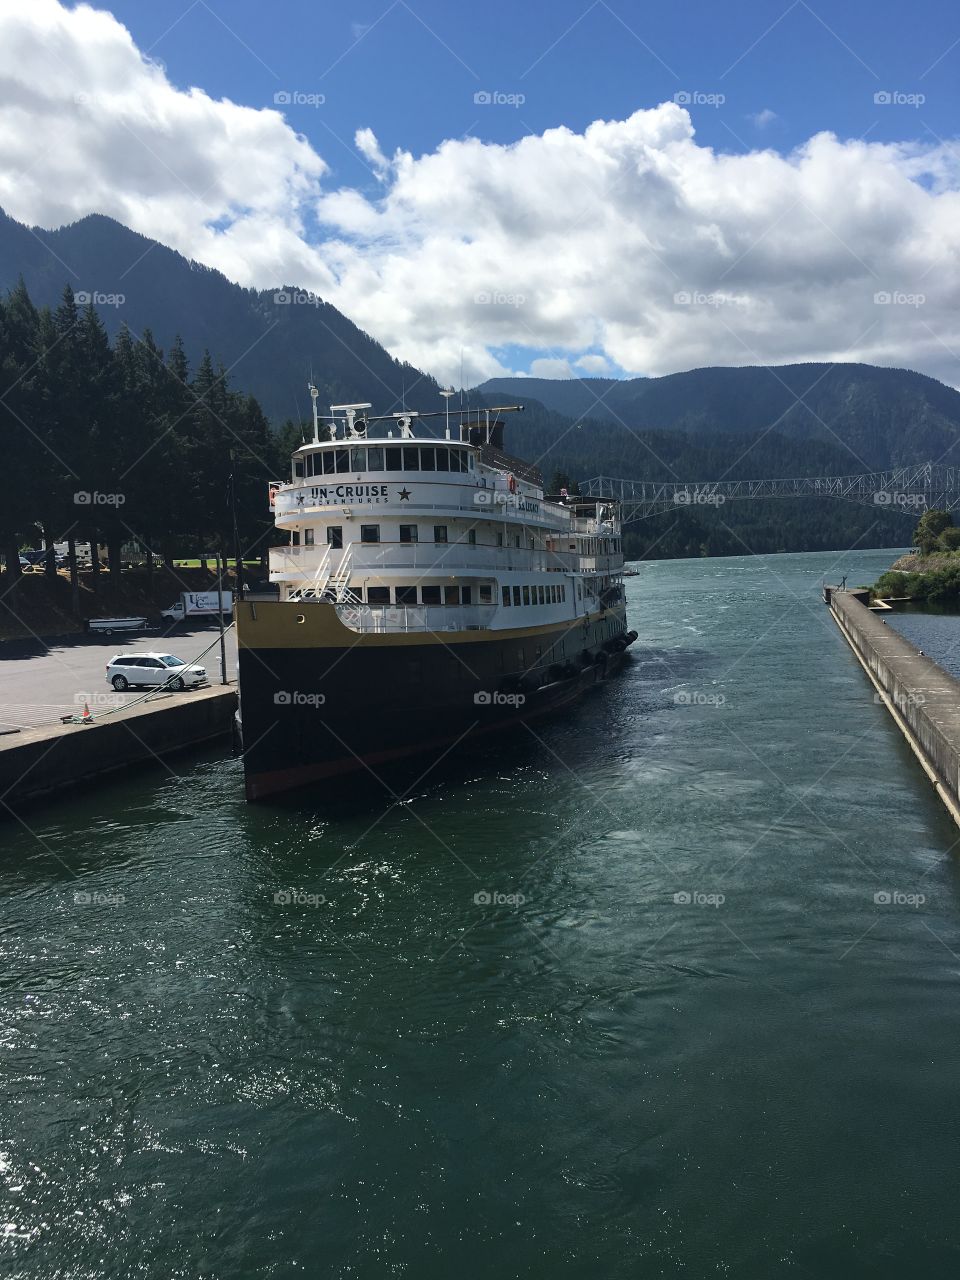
pixel 412 76
pixel 583 188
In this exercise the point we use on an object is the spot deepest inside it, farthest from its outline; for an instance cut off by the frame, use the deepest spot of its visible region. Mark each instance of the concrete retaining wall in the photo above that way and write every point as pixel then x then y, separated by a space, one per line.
pixel 40 762
pixel 923 699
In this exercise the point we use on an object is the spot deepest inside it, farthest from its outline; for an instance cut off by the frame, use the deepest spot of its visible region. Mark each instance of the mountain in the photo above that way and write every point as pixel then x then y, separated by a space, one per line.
pixel 707 424
pixel 879 417
pixel 271 347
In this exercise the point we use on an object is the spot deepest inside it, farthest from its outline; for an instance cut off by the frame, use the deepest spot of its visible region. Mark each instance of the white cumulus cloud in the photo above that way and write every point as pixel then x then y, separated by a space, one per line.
pixel 627 246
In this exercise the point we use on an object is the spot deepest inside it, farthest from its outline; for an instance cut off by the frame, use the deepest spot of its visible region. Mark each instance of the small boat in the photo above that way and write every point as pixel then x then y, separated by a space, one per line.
pixel 107 626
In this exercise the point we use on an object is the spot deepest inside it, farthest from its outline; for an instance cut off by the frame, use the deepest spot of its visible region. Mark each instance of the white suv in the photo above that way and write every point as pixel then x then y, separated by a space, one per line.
pixel 129 669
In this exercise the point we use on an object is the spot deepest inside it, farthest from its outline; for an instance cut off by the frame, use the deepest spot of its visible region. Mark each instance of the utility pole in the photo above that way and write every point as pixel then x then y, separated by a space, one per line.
pixel 223 643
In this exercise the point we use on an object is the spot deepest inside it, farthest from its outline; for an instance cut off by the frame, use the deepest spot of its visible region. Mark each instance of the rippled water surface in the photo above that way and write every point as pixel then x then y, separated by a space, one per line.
pixel 704 1023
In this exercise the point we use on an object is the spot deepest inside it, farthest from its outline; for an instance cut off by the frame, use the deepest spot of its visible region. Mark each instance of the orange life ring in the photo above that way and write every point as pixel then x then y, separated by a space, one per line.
pixel 513 485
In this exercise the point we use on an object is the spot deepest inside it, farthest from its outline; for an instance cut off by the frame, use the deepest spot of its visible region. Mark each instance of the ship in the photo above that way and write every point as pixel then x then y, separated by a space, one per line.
pixel 427 592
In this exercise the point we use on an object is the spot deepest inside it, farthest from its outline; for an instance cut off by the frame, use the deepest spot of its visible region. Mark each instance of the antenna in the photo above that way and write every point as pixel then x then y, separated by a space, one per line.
pixel 314 393
pixel 446 396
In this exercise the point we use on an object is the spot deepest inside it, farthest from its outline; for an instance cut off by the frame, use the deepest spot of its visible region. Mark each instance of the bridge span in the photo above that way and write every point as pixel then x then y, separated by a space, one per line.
pixel 910 490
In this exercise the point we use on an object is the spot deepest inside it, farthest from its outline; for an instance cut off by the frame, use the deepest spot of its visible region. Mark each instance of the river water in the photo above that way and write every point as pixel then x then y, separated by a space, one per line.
pixel 667 988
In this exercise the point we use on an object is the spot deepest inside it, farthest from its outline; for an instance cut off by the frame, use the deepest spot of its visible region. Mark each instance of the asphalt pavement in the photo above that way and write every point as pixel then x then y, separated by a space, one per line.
pixel 39 683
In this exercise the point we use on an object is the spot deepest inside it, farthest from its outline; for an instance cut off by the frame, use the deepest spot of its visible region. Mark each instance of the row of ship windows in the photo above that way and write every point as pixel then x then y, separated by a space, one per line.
pixel 330 462
pixel 370 533
pixel 555 593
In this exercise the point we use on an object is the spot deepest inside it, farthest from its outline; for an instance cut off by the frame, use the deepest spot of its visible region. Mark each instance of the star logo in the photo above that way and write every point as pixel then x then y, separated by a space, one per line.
pixel 299 499
pixel 404 495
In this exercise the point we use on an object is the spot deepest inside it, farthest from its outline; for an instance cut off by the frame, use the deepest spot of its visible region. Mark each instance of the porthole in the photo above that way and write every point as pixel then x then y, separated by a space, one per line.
pixel 301 618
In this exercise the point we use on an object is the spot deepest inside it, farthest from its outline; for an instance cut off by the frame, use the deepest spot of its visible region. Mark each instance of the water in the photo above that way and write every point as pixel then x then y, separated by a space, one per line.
pixel 934 630
pixel 596 1081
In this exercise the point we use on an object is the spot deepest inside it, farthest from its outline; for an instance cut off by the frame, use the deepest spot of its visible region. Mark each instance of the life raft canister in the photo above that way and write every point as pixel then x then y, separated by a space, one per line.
pixel 512 485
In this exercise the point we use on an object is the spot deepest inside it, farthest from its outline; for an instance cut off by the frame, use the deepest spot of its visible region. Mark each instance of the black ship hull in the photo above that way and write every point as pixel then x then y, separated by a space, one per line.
pixel 319 701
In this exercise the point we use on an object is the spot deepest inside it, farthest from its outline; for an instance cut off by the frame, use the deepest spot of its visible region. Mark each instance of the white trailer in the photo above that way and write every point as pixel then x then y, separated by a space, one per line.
pixel 107 626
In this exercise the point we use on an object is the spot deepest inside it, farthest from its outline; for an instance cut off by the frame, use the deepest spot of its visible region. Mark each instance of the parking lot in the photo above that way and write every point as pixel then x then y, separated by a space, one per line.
pixel 39 685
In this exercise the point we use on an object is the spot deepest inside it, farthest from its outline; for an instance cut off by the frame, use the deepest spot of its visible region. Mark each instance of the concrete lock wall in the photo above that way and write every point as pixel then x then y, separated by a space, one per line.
pixel 40 762
pixel 922 697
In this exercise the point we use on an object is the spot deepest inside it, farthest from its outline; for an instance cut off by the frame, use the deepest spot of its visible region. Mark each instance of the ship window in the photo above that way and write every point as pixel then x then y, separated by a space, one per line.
pixel 472 537
pixel 486 595
pixel 298 468
pixel 443 459
pixel 579 592
pixel 563 593
pixel 522 658
pixel 335 536
pixel 342 463
pixel 411 459
pixel 457 460
pixel 451 595
pixel 295 540
pixel 439 533
pixel 358 458
pixel 378 595
pixel 328 462
pixel 516 595
pixel 408 533
pixel 308 537
pixel 369 533
pixel 516 540
pixel 430 595
pixel 471 462
pixel 394 458
pixel 406 595
pixel 540 599
pixel 506 597
pixel 428 460
pixel 499 539
pixel 466 595
pixel 526 595
pixel 375 458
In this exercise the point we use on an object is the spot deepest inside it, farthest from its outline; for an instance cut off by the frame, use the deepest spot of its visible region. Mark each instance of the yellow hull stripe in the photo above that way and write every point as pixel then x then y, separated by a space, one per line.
pixel 274 625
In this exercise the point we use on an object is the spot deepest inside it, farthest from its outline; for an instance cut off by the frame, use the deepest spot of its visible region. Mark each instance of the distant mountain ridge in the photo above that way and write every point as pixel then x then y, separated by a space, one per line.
pixel 880 417
pixel 861 416
pixel 272 348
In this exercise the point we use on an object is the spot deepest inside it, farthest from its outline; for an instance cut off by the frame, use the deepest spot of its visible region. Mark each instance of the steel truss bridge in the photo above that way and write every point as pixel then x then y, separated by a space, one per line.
pixel 910 490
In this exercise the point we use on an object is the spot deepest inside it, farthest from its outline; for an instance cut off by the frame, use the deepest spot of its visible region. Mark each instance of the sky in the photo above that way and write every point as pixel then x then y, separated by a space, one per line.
pixel 568 189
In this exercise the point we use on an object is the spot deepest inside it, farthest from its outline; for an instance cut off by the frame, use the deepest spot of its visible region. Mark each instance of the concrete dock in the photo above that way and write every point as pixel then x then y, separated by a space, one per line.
pixel 923 699
pixel 36 763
